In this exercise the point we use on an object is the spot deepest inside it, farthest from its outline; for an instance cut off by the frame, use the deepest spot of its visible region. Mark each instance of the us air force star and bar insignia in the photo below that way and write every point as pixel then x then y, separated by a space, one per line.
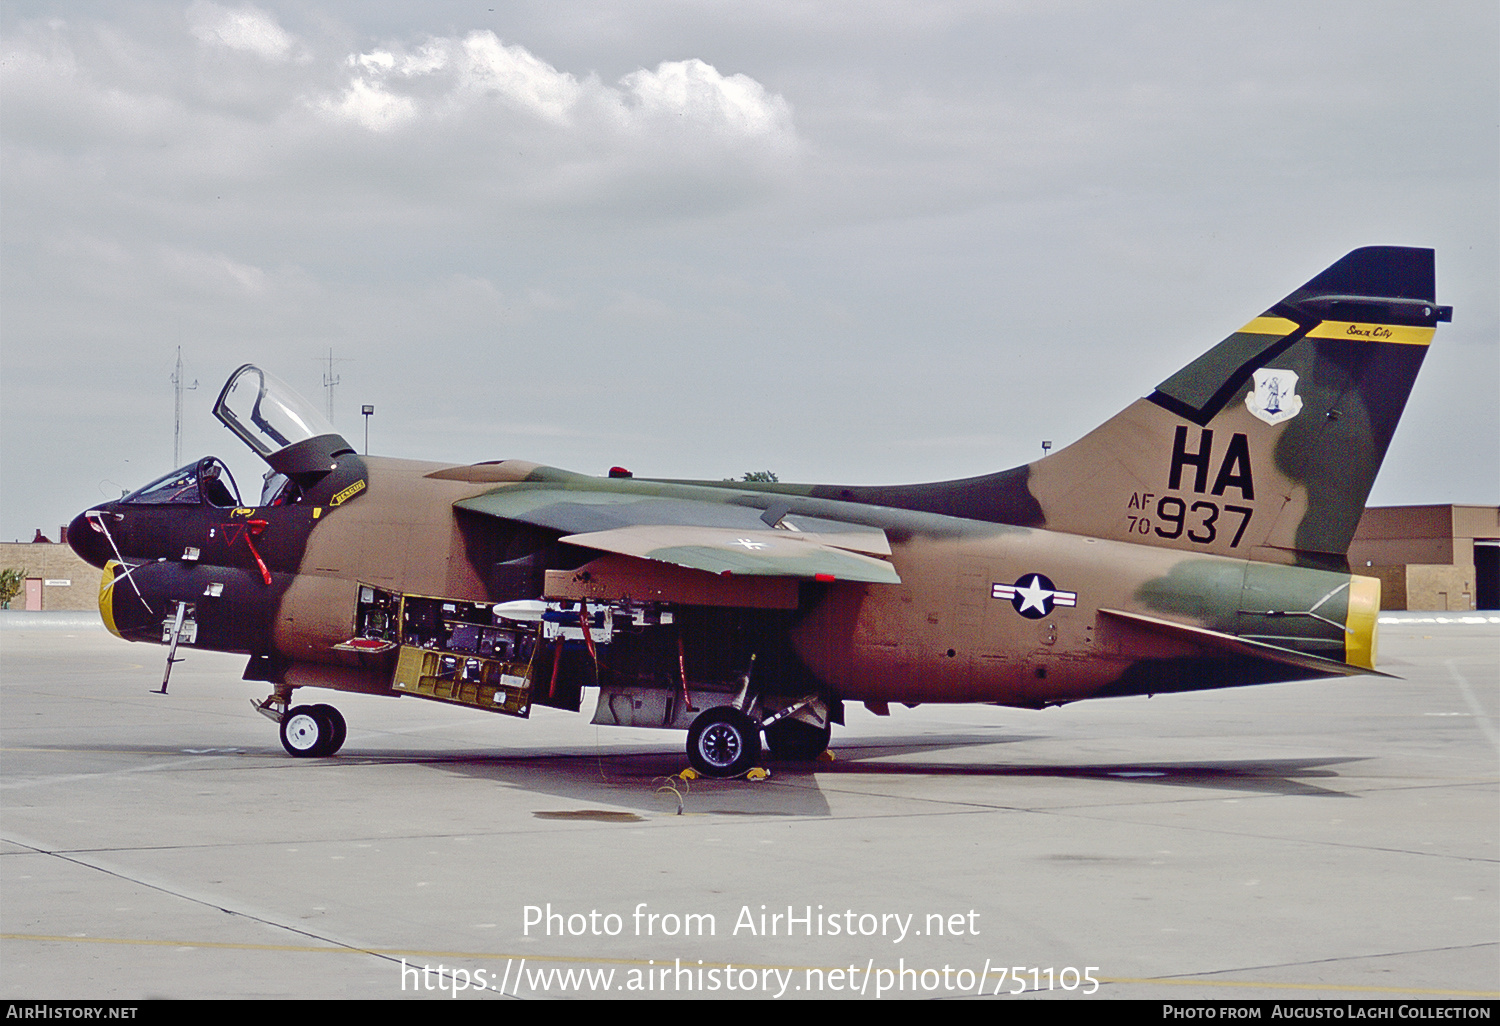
pixel 1033 595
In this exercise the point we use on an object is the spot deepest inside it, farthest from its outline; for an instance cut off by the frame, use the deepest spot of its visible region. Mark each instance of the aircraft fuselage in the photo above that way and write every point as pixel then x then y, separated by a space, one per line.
pixel 984 612
pixel 1196 540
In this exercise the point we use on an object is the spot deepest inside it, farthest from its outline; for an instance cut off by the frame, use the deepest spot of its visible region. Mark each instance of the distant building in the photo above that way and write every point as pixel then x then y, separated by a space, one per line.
pixel 1431 557
pixel 55 577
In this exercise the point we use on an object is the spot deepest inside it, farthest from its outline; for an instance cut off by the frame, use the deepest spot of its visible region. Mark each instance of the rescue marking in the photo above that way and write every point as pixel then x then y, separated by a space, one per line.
pixel 348 493
pixel 1033 595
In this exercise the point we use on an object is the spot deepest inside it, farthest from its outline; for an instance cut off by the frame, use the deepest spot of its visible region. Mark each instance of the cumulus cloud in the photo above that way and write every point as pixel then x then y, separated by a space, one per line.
pixel 462 120
pixel 247 29
pixel 498 124
pixel 369 104
pixel 738 104
pixel 447 78
pixel 487 67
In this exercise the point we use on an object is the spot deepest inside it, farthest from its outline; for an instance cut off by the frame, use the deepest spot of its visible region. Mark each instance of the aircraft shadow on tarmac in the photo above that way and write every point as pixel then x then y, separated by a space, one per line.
pixel 646 781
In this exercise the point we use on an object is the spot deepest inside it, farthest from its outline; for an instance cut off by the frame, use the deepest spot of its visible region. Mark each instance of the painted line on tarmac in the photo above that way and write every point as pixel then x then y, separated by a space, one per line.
pixel 1480 717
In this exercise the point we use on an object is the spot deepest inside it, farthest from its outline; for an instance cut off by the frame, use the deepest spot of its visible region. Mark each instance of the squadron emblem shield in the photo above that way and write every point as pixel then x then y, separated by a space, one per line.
pixel 1274 398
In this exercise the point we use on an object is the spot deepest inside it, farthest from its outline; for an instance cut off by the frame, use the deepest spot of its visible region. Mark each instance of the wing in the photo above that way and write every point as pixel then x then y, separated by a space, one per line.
pixel 719 537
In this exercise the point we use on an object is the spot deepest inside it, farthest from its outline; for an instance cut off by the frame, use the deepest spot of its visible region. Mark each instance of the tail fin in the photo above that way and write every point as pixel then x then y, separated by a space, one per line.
pixel 1268 444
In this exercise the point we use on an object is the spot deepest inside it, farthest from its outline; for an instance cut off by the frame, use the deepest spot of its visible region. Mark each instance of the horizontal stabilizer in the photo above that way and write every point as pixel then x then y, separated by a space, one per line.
pixel 1219 641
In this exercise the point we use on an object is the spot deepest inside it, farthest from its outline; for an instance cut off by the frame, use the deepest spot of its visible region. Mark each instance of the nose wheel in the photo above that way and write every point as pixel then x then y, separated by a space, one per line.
pixel 313 731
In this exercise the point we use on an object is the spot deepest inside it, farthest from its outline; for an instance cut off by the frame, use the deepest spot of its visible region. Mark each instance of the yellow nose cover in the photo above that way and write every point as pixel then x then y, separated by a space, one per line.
pixel 106 592
pixel 1362 623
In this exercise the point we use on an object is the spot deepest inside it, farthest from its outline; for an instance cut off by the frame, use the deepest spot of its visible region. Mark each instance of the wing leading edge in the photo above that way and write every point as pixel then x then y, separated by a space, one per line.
pixel 720 538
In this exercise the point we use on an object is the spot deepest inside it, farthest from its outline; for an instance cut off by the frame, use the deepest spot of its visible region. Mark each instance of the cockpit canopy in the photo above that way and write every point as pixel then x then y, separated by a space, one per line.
pixel 266 413
pixel 310 461
pixel 207 480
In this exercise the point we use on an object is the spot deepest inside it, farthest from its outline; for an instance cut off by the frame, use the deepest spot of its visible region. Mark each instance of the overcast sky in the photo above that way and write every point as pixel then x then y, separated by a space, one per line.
pixel 847 242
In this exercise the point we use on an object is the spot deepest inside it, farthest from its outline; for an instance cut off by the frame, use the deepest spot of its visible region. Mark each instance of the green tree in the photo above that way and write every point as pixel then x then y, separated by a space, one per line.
pixel 12 580
pixel 761 477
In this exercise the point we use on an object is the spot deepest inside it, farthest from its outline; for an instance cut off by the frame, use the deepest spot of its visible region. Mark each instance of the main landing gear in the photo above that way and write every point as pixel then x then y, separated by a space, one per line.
pixel 795 741
pixel 725 742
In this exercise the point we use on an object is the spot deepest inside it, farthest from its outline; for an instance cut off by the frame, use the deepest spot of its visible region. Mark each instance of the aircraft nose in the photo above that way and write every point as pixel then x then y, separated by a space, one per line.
pixel 87 539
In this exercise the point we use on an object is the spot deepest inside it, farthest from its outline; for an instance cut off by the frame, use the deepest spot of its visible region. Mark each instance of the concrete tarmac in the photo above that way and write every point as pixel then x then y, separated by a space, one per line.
pixel 1326 840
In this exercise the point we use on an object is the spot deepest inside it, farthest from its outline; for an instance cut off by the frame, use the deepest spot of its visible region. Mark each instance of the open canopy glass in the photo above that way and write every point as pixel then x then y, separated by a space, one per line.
pixel 266 413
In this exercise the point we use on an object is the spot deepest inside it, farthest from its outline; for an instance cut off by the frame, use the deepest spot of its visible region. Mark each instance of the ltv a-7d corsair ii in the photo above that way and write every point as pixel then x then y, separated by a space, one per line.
pixel 1197 540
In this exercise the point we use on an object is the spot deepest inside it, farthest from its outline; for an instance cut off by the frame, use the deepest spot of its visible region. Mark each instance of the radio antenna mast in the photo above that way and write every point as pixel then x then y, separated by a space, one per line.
pixel 330 381
pixel 178 387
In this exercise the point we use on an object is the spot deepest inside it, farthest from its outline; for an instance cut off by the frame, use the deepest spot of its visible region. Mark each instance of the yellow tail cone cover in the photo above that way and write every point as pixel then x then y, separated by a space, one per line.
pixel 1362 623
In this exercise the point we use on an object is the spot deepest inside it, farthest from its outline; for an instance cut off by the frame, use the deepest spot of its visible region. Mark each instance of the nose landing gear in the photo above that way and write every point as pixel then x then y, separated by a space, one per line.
pixel 313 731
pixel 307 731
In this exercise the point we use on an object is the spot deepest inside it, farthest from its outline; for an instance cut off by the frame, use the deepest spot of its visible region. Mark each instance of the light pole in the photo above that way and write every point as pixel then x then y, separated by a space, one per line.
pixel 368 411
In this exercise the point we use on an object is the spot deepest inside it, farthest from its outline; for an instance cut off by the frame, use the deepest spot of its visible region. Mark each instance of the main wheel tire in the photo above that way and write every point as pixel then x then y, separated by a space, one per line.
pixel 336 723
pixel 305 732
pixel 723 742
pixel 796 741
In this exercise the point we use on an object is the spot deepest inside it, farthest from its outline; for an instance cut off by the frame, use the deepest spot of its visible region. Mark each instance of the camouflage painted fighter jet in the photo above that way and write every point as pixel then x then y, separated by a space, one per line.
pixel 1197 540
